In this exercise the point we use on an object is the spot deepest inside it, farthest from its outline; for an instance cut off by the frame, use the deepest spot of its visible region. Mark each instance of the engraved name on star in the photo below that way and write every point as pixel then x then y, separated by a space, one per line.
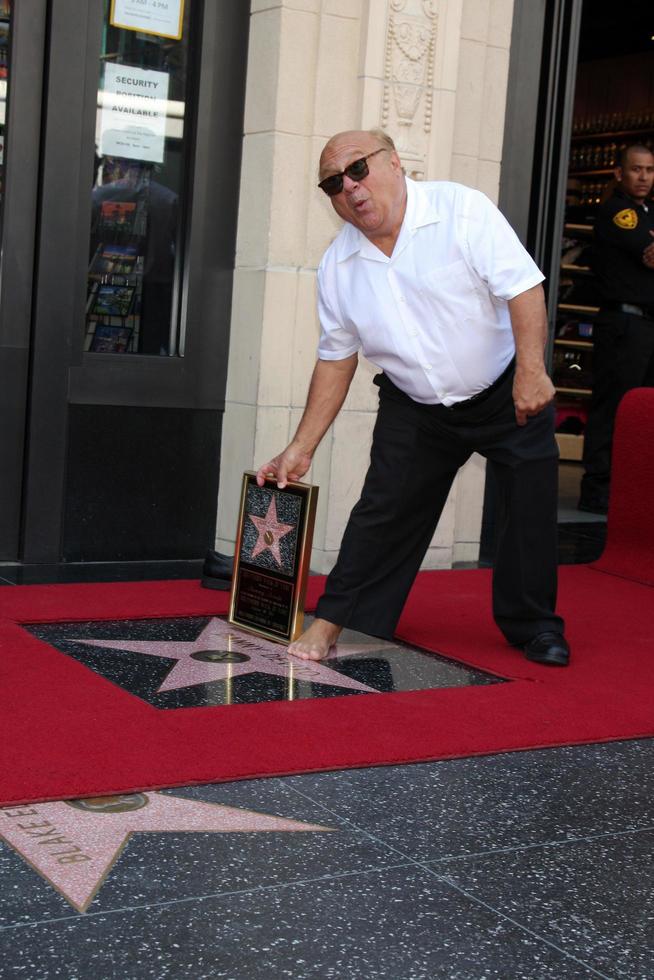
pixel 75 845
pixel 271 531
pixel 207 658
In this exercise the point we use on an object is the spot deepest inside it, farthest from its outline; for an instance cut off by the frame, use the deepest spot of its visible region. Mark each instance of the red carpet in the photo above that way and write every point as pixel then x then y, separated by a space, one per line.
pixel 67 732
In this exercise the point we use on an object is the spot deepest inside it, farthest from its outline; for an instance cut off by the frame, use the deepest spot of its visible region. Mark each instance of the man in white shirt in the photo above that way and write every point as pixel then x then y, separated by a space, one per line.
pixel 431 284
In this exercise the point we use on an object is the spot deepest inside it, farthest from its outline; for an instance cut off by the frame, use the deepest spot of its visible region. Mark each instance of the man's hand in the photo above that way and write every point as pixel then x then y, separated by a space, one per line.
pixel 532 392
pixel 330 382
pixel 292 464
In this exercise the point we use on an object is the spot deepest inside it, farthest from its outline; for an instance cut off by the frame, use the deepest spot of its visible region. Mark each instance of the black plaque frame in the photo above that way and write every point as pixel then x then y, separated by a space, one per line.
pixel 267 601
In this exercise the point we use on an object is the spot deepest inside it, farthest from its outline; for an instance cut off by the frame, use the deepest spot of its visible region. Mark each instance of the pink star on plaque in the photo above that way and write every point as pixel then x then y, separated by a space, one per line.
pixel 221 652
pixel 75 845
pixel 271 531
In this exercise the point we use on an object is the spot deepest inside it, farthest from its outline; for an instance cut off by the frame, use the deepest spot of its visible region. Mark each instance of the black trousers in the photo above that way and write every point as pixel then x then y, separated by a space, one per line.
pixel 417 451
pixel 623 358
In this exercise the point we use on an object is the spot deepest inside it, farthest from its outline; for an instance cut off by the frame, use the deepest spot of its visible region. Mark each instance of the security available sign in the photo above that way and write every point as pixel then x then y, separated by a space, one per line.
pixel 161 17
pixel 133 113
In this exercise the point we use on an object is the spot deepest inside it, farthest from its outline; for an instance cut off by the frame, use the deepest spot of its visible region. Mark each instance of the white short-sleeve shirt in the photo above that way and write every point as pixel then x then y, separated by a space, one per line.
pixel 434 316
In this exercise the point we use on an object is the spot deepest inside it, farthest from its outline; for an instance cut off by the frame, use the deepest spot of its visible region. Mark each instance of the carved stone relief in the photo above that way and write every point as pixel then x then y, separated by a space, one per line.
pixel 408 79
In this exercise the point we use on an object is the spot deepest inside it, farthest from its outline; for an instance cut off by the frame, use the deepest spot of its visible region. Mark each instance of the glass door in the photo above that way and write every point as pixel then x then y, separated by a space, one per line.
pixel 140 174
pixel 5 47
pixel 142 142
pixel 22 45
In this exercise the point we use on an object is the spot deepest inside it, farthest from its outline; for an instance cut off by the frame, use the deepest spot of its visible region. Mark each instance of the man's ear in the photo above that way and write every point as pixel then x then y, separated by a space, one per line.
pixel 396 163
pixel 617 173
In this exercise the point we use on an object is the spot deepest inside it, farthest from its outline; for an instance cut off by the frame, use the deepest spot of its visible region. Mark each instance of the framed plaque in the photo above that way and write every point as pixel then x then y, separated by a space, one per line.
pixel 271 562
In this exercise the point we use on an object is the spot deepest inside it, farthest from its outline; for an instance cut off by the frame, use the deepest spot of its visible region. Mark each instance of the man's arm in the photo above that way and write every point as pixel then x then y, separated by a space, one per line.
pixel 532 387
pixel 330 383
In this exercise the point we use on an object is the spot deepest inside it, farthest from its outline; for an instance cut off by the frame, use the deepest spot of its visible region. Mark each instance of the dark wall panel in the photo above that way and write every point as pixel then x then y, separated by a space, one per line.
pixel 141 483
pixel 13 383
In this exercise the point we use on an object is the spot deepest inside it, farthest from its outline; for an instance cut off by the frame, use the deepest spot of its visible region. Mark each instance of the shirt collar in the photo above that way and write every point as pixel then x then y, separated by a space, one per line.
pixel 619 192
pixel 420 211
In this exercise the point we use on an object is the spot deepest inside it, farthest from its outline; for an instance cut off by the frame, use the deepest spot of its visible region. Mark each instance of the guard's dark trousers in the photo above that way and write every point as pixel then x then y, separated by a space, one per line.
pixel 623 358
pixel 417 451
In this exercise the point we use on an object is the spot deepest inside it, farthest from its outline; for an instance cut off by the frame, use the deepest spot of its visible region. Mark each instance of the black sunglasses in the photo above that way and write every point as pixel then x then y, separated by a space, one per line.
pixel 357 170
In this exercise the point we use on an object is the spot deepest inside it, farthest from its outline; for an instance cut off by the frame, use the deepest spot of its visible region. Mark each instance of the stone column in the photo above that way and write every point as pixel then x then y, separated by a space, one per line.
pixel 316 67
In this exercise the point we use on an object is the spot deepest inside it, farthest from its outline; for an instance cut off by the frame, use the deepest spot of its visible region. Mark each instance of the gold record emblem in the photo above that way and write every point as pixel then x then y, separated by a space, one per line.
pixel 626 218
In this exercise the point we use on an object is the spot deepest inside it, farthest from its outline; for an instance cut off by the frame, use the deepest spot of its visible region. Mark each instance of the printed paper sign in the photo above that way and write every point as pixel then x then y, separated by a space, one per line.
pixel 161 17
pixel 133 113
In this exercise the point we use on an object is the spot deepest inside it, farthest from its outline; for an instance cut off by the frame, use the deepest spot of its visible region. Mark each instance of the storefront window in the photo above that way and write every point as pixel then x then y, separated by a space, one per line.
pixel 5 22
pixel 141 152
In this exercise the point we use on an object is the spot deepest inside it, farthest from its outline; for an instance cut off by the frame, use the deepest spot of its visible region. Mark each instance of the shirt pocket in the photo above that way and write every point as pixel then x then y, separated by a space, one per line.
pixel 451 292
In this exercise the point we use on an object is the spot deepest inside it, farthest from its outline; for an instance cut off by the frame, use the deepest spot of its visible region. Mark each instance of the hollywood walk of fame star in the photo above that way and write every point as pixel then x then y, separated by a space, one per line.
pixel 271 531
pixel 75 845
pixel 257 656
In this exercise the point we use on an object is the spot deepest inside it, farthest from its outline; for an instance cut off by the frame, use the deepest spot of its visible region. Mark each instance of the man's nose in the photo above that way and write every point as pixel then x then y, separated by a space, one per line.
pixel 348 184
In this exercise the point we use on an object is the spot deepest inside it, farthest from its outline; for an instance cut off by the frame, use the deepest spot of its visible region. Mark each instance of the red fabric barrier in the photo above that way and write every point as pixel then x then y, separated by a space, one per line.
pixel 629 550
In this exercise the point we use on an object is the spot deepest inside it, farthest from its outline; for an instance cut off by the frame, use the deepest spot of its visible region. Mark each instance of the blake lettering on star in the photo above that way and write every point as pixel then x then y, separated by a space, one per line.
pixel 74 845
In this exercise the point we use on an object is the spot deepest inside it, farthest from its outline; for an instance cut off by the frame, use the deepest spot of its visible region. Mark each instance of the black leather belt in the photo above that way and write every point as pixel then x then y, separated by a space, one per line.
pixel 485 392
pixel 631 308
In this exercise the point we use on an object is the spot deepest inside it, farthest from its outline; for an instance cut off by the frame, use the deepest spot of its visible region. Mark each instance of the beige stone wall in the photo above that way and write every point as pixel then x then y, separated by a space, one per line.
pixel 432 72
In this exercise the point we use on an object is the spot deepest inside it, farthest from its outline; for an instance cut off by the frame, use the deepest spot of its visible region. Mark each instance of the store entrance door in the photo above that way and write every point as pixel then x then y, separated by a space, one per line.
pixel 567 119
pixel 117 359
pixel 613 109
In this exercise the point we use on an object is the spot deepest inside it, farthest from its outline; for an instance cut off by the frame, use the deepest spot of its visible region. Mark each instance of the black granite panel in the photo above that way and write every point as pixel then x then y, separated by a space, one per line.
pixel 390 924
pixel 591 898
pixel 468 806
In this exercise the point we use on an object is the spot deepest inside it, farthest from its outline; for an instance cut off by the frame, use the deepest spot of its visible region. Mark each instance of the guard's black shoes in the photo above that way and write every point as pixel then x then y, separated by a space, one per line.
pixel 217 571
pixel 548 648
pixel 593 504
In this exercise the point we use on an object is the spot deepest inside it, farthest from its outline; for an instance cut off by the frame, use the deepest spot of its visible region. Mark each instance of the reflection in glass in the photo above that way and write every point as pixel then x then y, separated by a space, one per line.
pixel 138 179
pixel 5 23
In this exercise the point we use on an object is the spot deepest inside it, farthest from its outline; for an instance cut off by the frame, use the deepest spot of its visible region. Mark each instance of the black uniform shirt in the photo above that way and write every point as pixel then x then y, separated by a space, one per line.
pixel 622 233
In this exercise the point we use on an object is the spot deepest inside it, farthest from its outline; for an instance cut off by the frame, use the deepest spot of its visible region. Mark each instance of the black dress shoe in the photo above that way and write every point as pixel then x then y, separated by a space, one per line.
pixel 217 571
pixel 548 648
pixel 593 505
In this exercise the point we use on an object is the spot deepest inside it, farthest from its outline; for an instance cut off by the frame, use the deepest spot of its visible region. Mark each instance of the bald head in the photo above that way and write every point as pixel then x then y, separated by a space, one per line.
pixel 370 138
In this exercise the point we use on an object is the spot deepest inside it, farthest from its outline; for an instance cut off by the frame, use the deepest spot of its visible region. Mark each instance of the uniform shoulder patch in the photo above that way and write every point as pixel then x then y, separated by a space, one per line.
pixel 627 218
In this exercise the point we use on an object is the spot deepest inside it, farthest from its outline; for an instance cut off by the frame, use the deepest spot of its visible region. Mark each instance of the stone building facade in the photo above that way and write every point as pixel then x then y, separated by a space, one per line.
pixel 433 73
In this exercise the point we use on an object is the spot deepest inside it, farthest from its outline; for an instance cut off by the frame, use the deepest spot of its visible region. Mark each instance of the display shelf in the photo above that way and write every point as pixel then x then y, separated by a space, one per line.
pixel 571 447
pixel 614 134
pixel 581 392
pixel 604 171
pixel 590 153
pixel 573 308
pixel 579 344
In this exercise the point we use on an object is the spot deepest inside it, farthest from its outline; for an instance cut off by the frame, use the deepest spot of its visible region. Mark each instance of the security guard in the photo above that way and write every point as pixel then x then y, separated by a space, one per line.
pixel 623 333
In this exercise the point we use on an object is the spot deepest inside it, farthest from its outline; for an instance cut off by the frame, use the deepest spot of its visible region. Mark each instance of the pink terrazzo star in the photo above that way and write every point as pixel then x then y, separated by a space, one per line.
pixel 270 532
pixel 75 845
pixel 264 657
